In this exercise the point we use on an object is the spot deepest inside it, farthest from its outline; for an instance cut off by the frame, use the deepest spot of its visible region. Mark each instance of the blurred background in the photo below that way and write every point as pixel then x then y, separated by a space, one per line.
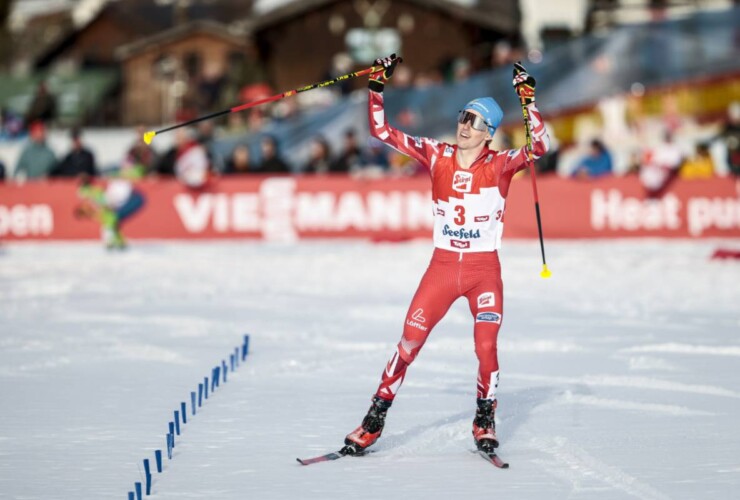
pixel 616 373
pixel 647 90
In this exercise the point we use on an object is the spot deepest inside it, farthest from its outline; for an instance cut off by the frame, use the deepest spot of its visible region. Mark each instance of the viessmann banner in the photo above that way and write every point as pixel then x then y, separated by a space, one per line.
pixel 294 208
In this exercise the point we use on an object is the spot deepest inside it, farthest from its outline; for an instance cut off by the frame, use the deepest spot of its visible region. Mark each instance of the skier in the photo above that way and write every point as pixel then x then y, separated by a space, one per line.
pixel 470 182
pixel 111 205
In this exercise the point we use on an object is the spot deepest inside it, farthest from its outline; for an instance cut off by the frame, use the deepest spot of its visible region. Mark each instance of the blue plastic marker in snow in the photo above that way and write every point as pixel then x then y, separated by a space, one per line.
pixel 148 475
pixel 130 495
pixel 216 377
pixel 184 412
pixel 172 432
pixel 231 362
pixel 137 487
pixel 236 356
pixel 192 401
pixel 170 445
pixel 158 460
pixel 224 368
pixel 245 347
pixel 205 386
pixel 177 423
pixel 200 395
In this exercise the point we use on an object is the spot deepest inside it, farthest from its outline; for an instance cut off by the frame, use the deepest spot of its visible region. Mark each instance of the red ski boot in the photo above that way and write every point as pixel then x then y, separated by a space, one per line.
pixel 484 426
pixel 369 432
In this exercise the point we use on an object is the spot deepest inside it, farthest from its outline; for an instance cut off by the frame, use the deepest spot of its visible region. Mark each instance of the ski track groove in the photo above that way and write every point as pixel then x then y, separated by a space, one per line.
pixel 576 465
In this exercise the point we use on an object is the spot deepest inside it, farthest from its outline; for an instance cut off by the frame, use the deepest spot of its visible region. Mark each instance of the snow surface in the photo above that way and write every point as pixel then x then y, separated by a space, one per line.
pixel 619 375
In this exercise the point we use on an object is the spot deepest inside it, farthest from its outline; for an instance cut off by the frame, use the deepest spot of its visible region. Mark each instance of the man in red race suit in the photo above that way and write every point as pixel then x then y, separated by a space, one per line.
pixel 470 182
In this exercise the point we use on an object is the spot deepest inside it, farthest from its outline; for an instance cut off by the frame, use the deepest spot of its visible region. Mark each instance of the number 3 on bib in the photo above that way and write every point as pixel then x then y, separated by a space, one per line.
pixel 460 219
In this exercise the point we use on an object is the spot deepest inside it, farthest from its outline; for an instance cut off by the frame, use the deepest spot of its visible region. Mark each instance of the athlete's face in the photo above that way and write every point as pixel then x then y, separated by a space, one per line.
pixel 469 137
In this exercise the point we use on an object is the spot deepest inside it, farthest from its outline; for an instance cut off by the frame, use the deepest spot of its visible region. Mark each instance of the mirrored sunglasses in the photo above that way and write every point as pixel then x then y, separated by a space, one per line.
pixel 476 121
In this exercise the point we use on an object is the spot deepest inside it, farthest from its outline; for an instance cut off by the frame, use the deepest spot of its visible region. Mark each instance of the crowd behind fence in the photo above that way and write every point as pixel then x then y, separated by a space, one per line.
pixel 610 74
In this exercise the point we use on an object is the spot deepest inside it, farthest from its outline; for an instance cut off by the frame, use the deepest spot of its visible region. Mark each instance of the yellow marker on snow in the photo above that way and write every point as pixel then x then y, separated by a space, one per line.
pixel 148 136
pixel 545 271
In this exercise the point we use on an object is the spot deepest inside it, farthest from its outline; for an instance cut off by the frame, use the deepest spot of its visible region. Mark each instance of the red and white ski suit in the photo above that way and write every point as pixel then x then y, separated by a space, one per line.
pixel 469 206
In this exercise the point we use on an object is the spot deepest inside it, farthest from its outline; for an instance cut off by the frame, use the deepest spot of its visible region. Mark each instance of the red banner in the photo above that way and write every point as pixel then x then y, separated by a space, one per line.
pixel 292 208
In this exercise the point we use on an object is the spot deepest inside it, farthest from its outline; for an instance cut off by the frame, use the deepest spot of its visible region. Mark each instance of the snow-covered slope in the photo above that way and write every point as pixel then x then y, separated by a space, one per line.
pixel 619 375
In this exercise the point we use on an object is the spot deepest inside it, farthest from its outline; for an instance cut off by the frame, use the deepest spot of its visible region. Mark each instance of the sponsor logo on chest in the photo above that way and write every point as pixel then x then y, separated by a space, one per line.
pixel 462 182
pixel 462 233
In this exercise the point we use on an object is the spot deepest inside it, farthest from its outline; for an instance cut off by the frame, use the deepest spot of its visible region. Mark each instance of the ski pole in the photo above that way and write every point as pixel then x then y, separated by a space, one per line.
pixel 525 114
pixel 148 136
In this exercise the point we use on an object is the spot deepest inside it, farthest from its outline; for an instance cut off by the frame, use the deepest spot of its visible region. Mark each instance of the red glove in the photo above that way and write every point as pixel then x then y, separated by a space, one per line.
pixel 378 79
pixel 523 84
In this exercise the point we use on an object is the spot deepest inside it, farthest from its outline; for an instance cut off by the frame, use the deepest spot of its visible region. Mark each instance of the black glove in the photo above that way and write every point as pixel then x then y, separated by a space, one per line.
pixel 523 84
pixel 378 78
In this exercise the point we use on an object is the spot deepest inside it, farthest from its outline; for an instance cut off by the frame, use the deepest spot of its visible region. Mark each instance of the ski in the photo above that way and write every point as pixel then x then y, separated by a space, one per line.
pixel 335 455
pixel 494 459
pixel 322 458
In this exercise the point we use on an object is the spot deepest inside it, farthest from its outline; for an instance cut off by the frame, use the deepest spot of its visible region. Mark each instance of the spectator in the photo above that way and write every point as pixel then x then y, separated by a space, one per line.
pixel 341 64
pixel 11 125
pixel 37 159
pixel 320 160
pixel 271 161
pixel 376 156
pixel 597 163
pixel 2 171
pixel 78 161
pixel 350 160
pixel 660 166
pixel 188 109
pixel 404 77
pixel 699 166
pixel 206 133
pixel 209 88
pixel 461 69
pixel 140 158
pixel 401 165
pixel 731 136
pixel 191 159
pixel 43 106
pixel 502 53
pixel 240 161
pixel 165 165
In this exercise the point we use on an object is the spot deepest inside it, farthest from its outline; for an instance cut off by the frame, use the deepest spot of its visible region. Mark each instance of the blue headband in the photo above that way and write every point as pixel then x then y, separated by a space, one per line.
pixel 489 110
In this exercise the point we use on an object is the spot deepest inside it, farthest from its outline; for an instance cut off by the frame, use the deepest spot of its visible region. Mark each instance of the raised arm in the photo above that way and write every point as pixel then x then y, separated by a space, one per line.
pixel 422 149
pixel 515 160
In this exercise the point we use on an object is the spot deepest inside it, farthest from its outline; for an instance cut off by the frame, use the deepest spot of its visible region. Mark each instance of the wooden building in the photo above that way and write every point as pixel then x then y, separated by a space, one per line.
pixel 96 47
pixel 298 41
pixel 125 21
pixel 160 50
pixel 161 71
